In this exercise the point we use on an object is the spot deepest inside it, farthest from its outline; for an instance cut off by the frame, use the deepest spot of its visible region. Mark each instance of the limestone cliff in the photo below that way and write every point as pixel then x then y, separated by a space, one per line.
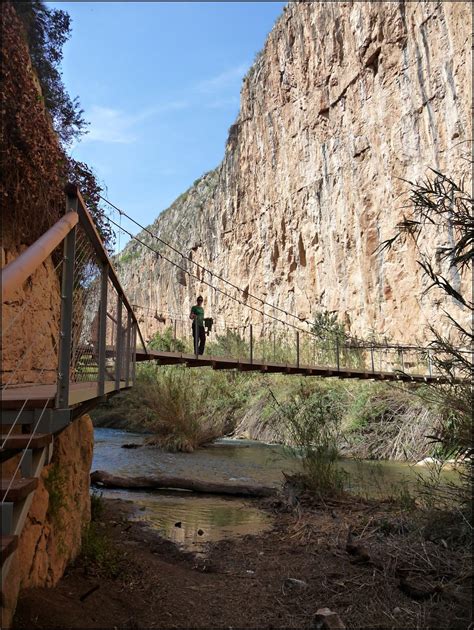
pixel 345 101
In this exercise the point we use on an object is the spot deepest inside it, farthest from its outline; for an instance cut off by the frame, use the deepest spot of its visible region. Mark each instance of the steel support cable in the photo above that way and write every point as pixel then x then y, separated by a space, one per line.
pixel 202 267
pixel 356 340
pixel 135 238
pixel 359 343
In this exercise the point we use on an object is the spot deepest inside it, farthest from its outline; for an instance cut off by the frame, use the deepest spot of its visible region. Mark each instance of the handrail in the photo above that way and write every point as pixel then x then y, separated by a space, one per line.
pixel 15 273
pixel 88 224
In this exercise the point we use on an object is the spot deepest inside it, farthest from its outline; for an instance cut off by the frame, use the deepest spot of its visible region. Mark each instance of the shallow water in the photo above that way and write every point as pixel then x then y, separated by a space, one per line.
pixel 205 518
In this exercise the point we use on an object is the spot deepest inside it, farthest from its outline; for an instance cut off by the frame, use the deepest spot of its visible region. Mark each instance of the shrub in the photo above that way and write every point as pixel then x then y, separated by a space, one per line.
pixel 312 424
pixel 98 552
pixel 165 341
pixel 47 30
pixel 184 409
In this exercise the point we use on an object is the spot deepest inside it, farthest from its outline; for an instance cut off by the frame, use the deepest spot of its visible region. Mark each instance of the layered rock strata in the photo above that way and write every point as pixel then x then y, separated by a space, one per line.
pixel 345 102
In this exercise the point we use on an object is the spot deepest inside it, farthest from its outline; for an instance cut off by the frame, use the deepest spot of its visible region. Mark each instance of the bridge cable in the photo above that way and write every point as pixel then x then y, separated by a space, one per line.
pixel 202 267
pixel 192 275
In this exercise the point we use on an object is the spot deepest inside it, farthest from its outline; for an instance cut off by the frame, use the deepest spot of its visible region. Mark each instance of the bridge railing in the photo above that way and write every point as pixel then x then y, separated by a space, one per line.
pixel 275 343
pixel 67 321
pixel 98 328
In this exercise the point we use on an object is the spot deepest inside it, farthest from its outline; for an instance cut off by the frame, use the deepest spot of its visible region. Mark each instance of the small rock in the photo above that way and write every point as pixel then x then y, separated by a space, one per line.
pixel 200 532
pixel 396 610
pixel 293 582
pixel 178 524
pixel 325 619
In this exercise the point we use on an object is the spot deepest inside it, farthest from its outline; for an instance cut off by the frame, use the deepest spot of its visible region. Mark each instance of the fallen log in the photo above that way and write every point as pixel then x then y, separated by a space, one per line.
pixel 156 482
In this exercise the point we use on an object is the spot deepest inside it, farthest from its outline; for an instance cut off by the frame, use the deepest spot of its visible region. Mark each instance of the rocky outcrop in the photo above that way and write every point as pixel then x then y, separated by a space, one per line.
pixel 51 537
pixel 345 102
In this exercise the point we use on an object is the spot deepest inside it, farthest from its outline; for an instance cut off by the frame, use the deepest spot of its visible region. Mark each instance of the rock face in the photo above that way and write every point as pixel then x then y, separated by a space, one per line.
pixel 30 353
pixel 51 537
pixel 345 101
pixel 32 200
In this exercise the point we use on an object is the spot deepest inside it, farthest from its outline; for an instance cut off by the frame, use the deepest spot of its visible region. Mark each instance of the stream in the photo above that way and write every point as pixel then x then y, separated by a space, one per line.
pixel 192 520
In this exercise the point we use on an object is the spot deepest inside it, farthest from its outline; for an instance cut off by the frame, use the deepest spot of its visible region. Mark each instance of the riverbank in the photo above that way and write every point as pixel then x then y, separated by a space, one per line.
pixel 378 421
pixel 397 574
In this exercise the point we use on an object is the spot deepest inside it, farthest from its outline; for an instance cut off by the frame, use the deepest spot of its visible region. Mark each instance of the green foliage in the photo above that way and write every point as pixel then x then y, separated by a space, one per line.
pixel 311 420
pixel 441 201
pixel 184 408
pixel 165 341
pixel 55 485
pixel 128 256
pixel 97 505
pixel 230 344
pixel 47 30
pixel 326 327
pixel 83 176
pixel 98 552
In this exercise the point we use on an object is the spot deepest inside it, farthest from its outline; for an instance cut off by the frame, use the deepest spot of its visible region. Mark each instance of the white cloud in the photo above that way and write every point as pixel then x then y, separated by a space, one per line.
pixel 223 103
pixel 227 79
pixel 117 127
pixel 109 125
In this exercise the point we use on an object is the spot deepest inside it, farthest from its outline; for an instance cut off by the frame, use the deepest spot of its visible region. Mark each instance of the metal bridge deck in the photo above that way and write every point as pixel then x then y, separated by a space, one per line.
pixel 245 365
pixel 39 396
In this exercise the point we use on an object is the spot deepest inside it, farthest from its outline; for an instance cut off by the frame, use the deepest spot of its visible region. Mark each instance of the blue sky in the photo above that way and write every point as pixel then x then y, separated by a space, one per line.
pixel 160 83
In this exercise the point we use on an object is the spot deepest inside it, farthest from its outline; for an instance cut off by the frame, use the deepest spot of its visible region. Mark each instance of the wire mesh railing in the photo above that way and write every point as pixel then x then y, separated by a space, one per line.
pixel 271 344
pixel 98 327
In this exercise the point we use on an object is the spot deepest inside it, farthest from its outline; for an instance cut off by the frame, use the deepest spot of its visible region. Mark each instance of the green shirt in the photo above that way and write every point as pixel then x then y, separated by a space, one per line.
pixel 199 312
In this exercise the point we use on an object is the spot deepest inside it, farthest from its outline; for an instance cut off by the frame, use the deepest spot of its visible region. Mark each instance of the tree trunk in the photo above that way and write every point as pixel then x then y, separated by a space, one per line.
pixel 162 481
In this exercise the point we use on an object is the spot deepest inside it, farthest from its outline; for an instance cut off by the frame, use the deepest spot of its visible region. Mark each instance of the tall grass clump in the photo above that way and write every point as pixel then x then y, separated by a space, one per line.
pixel 311 421
pixel 182 408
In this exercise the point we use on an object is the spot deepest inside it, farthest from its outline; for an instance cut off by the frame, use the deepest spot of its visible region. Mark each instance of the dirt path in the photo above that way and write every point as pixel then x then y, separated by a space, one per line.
pixel 249 582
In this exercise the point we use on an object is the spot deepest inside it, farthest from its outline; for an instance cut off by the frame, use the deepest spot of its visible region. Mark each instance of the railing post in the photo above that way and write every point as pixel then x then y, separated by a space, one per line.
pixel 401 360
pixel 119 353
pixel 104 281
pixel 298 348
pixel 134 353
pixel 128 349
pixel 337 354
pixel 65 333
pixel 251 343
pixel 430 366
pixel 372 357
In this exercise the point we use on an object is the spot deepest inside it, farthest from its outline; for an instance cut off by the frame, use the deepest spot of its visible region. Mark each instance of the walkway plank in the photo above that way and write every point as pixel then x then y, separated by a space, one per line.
pixel 24 440
pixel 258 365
pixel 9 544
pixel 18 490
pixel 39 396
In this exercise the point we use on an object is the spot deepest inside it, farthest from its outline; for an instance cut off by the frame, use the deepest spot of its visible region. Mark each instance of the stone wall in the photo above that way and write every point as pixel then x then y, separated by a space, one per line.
pixel 345 101
pixel 51 537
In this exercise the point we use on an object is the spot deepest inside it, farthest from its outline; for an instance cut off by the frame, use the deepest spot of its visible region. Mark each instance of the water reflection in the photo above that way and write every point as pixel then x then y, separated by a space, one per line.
pixel 235 461
pixel 192 520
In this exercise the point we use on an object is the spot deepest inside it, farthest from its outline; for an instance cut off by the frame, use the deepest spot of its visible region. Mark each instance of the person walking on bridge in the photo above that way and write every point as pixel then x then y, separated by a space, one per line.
pixel 199 333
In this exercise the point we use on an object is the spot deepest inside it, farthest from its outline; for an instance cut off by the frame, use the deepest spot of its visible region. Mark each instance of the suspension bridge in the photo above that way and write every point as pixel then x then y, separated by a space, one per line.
pixel 87 347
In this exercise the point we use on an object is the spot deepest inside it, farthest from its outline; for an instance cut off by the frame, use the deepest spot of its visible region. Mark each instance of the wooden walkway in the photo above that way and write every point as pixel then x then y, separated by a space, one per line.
pixel 245 365
pixel 39 396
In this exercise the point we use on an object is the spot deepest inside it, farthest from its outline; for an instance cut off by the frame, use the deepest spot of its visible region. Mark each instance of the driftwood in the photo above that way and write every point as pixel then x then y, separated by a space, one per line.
pixel 162 481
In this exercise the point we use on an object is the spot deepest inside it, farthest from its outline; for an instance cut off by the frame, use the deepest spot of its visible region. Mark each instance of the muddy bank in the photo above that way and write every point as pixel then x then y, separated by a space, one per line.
pixel 274 580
